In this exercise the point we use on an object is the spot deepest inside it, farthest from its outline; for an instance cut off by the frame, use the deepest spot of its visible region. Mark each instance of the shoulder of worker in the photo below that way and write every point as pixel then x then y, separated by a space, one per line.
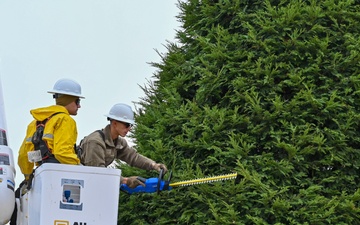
pixel 41 114
pixel 97 136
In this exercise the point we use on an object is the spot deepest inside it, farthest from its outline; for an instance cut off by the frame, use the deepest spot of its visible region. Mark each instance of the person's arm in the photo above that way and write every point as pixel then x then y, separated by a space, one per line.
pixel 133 158
pixel 26 167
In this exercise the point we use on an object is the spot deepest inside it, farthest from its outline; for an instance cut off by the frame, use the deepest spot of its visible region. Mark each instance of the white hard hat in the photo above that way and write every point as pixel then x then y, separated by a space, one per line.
pixel 67 87
pixel 121 112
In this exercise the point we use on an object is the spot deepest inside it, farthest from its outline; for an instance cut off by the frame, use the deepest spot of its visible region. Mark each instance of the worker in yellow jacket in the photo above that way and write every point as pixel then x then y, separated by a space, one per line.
pixel 51 136
pixel 59 132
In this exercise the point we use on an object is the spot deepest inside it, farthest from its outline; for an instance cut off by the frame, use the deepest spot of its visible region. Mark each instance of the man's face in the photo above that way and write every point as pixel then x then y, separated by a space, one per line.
pixel 122 128
pixel 73 107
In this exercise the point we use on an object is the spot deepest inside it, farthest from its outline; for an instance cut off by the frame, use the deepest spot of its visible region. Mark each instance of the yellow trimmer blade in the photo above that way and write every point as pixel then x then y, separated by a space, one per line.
pixel 204 180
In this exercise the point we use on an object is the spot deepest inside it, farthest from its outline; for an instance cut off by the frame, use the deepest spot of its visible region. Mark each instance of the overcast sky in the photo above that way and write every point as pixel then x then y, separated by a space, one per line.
pixel 104 45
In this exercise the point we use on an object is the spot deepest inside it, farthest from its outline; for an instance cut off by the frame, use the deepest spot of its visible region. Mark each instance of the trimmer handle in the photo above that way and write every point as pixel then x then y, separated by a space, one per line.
pixel 152 185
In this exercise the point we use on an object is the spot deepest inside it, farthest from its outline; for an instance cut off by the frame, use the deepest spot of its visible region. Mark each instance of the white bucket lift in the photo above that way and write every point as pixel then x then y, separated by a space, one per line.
pixel 71 195
pixel 7 184
pixel 7 169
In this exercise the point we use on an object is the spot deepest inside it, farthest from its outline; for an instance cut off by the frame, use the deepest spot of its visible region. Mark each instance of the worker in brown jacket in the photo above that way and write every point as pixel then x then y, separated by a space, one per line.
pixel 102 147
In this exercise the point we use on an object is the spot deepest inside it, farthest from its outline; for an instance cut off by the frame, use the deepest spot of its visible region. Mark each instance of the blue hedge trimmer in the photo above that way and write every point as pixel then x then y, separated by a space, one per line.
pixel 157 184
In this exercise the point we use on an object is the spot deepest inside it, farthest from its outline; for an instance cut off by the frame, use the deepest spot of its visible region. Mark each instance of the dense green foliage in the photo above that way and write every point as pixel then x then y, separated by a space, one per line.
pixel 268 89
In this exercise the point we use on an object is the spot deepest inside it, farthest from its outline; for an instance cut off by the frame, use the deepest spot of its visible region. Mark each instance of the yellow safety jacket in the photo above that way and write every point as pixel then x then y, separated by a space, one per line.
pixel 60 134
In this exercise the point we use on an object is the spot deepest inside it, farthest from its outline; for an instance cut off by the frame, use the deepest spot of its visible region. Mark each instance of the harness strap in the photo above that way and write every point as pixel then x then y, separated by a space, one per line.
pixel 40 144
pixel 102 134
pixel 78 149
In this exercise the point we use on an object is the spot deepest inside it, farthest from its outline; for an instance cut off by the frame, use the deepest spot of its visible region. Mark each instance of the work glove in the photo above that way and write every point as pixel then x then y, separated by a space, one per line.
pixel 159 166
pixel 133 182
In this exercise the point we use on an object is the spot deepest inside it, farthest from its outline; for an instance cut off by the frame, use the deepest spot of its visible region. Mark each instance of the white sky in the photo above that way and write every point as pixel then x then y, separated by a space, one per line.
pixel 104 45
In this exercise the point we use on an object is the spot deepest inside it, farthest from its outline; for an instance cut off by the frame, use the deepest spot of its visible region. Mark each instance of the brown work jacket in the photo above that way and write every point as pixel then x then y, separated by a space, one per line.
pixel 97 152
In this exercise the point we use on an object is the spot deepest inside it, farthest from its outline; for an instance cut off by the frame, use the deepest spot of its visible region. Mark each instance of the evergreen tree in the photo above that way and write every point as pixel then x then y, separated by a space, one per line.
pixel 268 89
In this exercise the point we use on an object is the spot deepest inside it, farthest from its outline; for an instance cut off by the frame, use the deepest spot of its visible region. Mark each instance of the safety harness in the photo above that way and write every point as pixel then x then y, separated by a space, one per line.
pixel 40 144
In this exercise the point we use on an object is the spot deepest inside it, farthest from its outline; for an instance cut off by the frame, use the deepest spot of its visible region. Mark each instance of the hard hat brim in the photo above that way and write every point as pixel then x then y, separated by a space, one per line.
pixel 120 119
pixel 65 93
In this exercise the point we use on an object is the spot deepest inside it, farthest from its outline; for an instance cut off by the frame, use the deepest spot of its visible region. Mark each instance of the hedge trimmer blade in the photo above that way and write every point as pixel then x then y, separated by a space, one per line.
pixel 204 180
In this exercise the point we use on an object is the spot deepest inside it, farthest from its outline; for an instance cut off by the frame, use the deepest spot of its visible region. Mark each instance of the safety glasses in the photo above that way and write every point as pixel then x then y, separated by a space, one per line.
pixel 127 125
